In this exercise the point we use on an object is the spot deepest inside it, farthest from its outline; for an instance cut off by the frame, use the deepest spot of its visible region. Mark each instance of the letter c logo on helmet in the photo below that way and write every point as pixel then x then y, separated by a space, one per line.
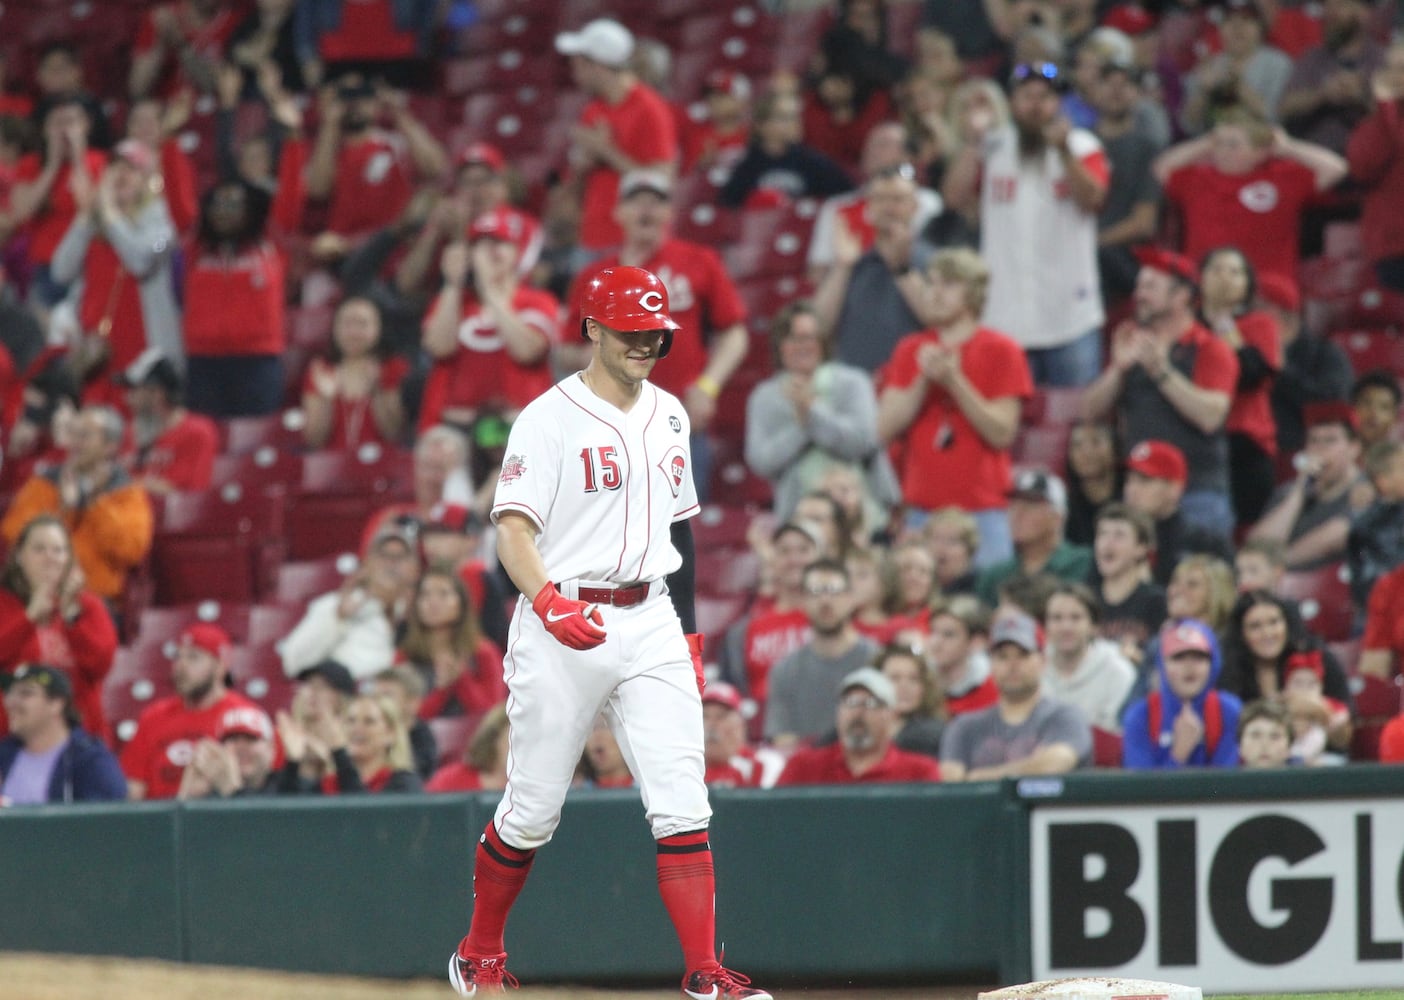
pixel 630 300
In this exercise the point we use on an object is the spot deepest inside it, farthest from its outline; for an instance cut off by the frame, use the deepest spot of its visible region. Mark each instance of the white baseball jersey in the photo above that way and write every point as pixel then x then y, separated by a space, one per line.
pixel 602 486
pixel 1045 289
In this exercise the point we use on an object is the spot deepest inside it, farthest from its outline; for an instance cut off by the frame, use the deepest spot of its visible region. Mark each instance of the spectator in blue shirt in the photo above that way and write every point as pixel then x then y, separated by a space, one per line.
pixel 1187 722
pixel 47 757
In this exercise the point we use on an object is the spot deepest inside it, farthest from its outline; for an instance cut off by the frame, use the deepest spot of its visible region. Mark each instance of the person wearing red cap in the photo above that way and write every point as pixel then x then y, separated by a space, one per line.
pixel 1246 184
pixel 1311 515
pixel 1187 721
pixel 480 187
pixel 731 763
pixel 1321 725
pixel 626 126
pixel 489 334
pixel 1314 369
pixel 592 509
pixel 719 139
pixel 169 730
pixel 1376 156
pixel 1156 475
pixel 1171 379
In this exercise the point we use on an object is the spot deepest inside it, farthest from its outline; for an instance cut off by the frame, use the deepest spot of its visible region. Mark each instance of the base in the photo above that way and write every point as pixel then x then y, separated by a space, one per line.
pixel 1095 988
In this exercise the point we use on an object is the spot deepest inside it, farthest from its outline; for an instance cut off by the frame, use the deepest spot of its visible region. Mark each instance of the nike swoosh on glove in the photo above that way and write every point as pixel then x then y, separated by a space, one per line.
pixel 573 623
pixel 694 646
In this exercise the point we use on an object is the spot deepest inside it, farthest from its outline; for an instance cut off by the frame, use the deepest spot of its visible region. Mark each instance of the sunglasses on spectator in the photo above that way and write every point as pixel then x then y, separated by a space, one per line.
pixel 1046 71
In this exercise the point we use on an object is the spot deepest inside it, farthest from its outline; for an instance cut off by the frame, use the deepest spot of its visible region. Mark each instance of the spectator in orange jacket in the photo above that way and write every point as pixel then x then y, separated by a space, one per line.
pixel 107 514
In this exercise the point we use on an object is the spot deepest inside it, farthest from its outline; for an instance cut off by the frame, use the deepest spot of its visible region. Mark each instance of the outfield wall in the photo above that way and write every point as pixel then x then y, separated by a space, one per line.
pixel 1288 881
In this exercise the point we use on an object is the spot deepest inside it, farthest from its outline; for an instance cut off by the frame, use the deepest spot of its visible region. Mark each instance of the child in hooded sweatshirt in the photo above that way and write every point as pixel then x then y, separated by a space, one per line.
pixel 1187 723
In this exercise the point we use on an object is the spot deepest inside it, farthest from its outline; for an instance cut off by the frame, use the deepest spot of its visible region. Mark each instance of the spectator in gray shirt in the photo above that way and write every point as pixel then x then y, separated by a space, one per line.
pixel 812 414
pixel 1026 732
pixel 804 684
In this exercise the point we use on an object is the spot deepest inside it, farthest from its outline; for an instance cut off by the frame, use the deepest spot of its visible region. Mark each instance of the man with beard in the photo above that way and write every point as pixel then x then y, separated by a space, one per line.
pixel 173 449
pixel 1040 185
pixel 864 752
pixel 802 684
pixel 361 167
pixel 169 731
pixel 1170 379
pixel 1329 91
pixel 1025 732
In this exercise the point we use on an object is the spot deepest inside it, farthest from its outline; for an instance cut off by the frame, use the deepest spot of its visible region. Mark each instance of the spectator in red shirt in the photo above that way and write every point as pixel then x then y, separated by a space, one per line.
pixel 950 403
pixel 173 449
pixel 169 730
pixel 489 334
pixel 368 172
pixel 461 667
pixel 864 752
pixel 839 112
pixel 1376 156
pixel 1246 184
pixel 120 245
pixel 1383 641
pixel 47 614
pixel 179 45
pixel 731 761
pixel 53 185
pixel 234 305
pixel 352 397
pixel 1228 289
pixel 626 126
pixel 484 763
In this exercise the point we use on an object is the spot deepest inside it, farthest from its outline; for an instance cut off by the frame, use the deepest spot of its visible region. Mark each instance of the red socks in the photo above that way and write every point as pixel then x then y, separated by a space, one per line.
pixel 688 888
pixel 499 872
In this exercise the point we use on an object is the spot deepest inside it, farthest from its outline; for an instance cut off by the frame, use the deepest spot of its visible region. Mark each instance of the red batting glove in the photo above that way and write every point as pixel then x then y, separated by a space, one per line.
pixel 573 623
pixel 694 646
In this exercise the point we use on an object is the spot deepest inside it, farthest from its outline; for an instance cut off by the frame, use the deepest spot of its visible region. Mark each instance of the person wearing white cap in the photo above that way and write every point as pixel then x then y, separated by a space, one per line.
pixel 1026 732
pixel 626 126
pixel 864 752
pixel 1038 514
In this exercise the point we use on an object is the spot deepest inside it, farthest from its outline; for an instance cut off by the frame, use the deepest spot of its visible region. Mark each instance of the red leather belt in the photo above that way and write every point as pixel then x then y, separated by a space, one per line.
pixel 618 597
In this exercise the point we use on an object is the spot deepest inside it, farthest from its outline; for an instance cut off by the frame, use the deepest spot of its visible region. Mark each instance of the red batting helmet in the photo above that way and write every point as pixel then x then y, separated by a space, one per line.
pixel 629 299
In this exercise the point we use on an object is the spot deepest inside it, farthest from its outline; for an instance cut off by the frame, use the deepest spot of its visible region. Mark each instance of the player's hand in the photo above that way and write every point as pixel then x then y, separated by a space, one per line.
pixel 573 623
pixel 694 646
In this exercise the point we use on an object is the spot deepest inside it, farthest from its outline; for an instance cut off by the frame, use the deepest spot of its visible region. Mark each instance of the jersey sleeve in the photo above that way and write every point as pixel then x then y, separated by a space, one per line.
pixel 1088 149
pixel 530 472
pixel 901 368
pixel 1216 366
pixel 687 503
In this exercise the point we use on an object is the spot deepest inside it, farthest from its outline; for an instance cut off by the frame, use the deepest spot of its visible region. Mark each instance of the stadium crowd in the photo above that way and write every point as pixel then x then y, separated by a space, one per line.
pixel 1042 357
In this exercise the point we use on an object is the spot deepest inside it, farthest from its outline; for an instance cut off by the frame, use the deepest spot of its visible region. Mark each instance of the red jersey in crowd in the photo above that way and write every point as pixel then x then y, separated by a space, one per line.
pixel 1259 212
pixel 1376 155
pixel 374 183
pixel 82 648
pixel 165 741
pixel 826 766
pixel 477 689
pixel 48 225
pixel 234 303
pixel 770 637
pixel 642 128
pixel 455 777
pixel 1251 411
pixel 941 459
pixel 352 423
pixel 183 455
pixel 701 298
pixel 743 770
pixel 480 374
pixel 367 31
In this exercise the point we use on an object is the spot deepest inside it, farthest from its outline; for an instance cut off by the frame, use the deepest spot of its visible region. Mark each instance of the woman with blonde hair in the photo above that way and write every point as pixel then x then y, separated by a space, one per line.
pixel 118 248
pixel 376 756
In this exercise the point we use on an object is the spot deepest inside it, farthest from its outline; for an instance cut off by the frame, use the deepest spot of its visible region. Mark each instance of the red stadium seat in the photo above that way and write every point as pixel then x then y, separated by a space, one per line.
pixel 768 294
pixel 1324 597
pixel 140 675
pixel 1378 309
pixel 715 615
pixel 309 327
pixel 281 431
pixel 159 625
pixel 258 674
pixel 1369 349
pixel 528 25
pixel 721 526
pixel 339 492
pixel 269 624
pixel 299 582
pixel 1376 702
pixel 264 470
pixel 217 545
pixel 1106 748
pixel 452 735
pixel 732 573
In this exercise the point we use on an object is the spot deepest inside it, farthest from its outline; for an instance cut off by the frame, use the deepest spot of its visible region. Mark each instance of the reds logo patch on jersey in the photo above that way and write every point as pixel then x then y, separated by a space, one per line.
pixel 674 466
pixel 513 466
pixel 1260 196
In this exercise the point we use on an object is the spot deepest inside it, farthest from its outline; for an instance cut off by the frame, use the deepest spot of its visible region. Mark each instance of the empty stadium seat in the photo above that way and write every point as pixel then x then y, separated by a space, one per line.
pixel 1324 598
pixel 217 545
pixel 1045 447
pixel 167 623
pixel 280 431
pixel 452 734
pixel 1376 702
pixel 258 674
pixel 722 526
pixel 1368 349
pixel 299 582
pixel 338 494
pixel 715 615
pixel 262 470
pixel 139 676
pixel 270 623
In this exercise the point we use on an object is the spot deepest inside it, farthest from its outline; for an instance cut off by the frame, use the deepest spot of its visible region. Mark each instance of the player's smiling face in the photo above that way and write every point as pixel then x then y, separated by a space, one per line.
pixel 627 358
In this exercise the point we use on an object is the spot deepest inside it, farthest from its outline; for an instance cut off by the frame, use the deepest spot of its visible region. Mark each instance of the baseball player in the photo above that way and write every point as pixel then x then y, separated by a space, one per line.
pixel 592 513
